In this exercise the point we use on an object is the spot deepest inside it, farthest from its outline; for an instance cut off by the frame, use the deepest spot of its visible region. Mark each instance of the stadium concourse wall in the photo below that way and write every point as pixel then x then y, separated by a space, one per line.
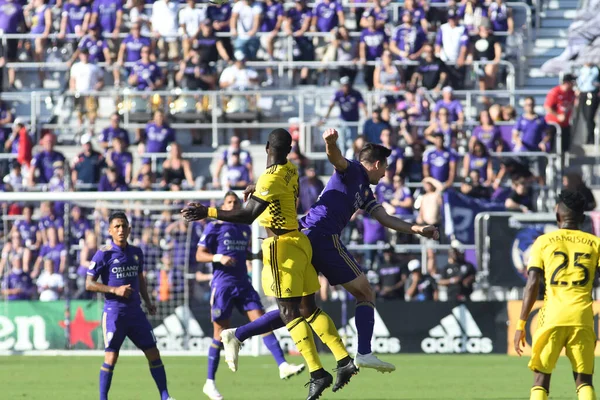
pixel 38 328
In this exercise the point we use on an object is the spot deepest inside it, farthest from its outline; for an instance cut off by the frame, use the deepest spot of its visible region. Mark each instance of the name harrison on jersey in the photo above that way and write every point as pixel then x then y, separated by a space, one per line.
pixel 572 239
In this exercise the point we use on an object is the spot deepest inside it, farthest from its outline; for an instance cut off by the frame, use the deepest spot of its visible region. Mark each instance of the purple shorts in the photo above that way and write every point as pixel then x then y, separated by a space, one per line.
pixel 224 296
pixel 117 324
pixel 332 259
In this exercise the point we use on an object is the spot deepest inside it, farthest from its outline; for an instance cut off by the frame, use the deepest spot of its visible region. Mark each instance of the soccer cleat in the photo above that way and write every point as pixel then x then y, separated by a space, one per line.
pixel 344 374
pixel 316 387
pixel 286 371
pixel 231 345
pixel 370 361
pixel 210 390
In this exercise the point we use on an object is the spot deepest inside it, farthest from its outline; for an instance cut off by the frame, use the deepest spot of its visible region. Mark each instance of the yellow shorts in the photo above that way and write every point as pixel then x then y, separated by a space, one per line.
pixel 579 343
pixel 288 270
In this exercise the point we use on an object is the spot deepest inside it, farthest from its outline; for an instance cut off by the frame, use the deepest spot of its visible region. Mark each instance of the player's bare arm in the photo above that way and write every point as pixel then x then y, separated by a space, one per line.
pixel 144 293
pixel 246 215
pixel 203 255
pixel 389 221
pixel 93 285
pixel 530 293
pixel 334 154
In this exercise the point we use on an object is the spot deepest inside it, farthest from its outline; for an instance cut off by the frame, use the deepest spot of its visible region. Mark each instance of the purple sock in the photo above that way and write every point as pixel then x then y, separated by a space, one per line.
pixel 157 369
pixel 267 323
pixel 365 320
pixel 106 374
pixel 214 355
pixel 273 345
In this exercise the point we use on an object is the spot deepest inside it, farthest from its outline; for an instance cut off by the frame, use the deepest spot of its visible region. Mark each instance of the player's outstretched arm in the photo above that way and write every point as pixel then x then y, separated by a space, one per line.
pixel 144 294
pixel 529 297
pixel 389 221
pixel 246 215
pixel 92 285
pixel 334 155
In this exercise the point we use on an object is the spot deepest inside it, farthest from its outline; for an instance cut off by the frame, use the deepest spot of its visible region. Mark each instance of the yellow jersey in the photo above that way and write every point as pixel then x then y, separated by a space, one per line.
pixel 568 259
pixel 278 186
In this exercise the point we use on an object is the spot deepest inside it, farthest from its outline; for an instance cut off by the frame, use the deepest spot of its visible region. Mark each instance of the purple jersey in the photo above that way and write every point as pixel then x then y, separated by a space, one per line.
pixel 231 240
pixel 409 38
pixel 158 138
pixel 38 21
pixel 309 192
pixel 219 14
pixel 44 162
pixel 417 14
pixel 75 15
pixel 146 74
pixel 479 164
pixel 27 230
pixel 349 104
pixel 397 154
pixel 6 130
pixel 327 17
pixel 54 253
pixel 133 47
pixel 120 160
pixel 489 137
pixel 245 157
pixel 11 16
pixel 297 18
pixel 498 15
pixel 118 267
pixel 373 231
pixel 532 131
pixel 51 221
pixel 270 16
pixel 439 163
pixel 381 15
pixel 107 13
pixel 107 186
pixel 454 108
pixel 374 41
pixel 236 174
pixel 95 47
pixel 384 192
pixel 78 229
pixel 108 134
pixel 17 279
pixel 345 193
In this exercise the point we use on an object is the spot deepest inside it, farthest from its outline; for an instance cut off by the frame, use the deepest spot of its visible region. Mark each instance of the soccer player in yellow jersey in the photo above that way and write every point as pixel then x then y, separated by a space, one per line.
pixel 566 260
pixel 288 274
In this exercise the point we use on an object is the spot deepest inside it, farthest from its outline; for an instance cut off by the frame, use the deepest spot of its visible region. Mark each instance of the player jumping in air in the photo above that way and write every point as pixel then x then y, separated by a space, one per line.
pixel 120 266
pixel 566 260
pixel 225 244
pixel 347 191
pixel 288 274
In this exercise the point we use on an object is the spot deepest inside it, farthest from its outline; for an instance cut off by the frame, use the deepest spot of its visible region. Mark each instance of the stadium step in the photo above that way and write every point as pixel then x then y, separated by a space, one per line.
pixel 537 61
pixel 565 14
pixel 556 23
pixel 542 82
pixel 553 33
pixel 550 43
pixel 563 5
pixel 548 52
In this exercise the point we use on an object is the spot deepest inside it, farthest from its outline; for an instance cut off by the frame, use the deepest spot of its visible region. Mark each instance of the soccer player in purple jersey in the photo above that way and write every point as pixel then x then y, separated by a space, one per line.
pixel 225 244
pixel 120 266
pixel 347 191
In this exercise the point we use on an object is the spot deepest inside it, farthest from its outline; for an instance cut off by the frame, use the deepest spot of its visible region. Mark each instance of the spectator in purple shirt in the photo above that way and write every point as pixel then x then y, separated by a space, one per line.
pixel 396 159
pixel 29 231
pixel 15 249
pixel 452 105
pixel 130 51
pixel 43 162
pixel 327 15
pixel 75 18
pixel 114 130
pixel 17 285
pixel 145 74
pixel 378 12
pixel 417 13
pixel 440 162
pixel 111 181
pixel 50 219
pixel 108 14
pixel 220 15
pixel 487 133
pixel 53 250
pixel 531 132
pixel 271 24
pixel 119 158
pixel 500 16
pixel 407 42
pixel 234 147
pixel 237 175
pixel 310 189
pixel 12 20
pixel 373 41
pixel 442 124
pixel 478 159
pixel 39 21
pixel 80 226
pixel 158 134
pixel 97 48
pixel 298 23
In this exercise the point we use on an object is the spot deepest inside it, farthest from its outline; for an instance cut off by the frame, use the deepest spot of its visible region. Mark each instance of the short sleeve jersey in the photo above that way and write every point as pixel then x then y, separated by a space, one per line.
pixel 278 186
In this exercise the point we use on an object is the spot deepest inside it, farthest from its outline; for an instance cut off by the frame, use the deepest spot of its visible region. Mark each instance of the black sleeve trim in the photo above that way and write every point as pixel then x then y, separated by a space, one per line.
pixel 261 201
pixel 535 269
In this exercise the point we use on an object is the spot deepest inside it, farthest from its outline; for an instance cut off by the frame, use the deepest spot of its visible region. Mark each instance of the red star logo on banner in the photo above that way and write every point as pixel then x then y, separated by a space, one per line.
pixel 81 330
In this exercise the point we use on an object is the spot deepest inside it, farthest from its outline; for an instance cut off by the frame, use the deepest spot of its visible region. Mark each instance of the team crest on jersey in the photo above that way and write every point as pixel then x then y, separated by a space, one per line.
pixel 366 192
pixel 216 312
pixel 92 265
pixel 136 258
pixel 245 234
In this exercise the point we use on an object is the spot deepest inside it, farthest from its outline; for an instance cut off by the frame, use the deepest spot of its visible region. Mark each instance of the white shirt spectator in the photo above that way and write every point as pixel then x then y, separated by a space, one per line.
pixel 246 14
pixel 191 18
pixel 50 285
pixel 240 78
pixel 452 39
pixel 86 76
pixel 143 19
pixel 164 19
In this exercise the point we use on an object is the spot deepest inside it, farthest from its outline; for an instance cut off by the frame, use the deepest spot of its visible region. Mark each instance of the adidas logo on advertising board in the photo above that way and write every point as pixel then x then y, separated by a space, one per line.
pixel 457 333
pixel 170 335
pixel 381 343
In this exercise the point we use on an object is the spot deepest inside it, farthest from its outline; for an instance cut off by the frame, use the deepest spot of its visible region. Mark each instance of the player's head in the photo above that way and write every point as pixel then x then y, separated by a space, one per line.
pixel 374 158
pixel 279 143
pixel 570 208
pixel 118 228
pixel 231 201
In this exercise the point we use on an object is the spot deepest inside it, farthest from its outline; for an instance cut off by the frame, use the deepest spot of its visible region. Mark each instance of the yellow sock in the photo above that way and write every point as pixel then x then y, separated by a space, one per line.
pixel 322 324
pixel 538 393
pixel 586 392
pixel 303 339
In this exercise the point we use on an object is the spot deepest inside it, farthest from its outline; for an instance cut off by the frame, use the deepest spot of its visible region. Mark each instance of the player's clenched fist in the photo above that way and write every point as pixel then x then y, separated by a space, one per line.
pixel 430 232
pixel 194 212
pixel 330 136
pixel 124 291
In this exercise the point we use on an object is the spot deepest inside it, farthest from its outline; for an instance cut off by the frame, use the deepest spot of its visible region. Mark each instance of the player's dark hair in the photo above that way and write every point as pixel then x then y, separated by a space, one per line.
pixel 231 193
pixel 374 152
pixel 573 200
pixel 118 215
pixel 280 140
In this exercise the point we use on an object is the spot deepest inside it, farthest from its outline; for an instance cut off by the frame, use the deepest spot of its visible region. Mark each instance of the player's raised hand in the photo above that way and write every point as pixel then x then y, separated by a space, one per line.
pixel 151 308
pixel 519 341
pixel 194 212
pixel 430 232
pixel 124 291
pixel 330 136
pixel 250 189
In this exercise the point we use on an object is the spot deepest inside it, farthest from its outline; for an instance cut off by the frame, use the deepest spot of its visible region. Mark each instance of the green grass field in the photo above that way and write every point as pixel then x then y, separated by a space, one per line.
pixel 417 377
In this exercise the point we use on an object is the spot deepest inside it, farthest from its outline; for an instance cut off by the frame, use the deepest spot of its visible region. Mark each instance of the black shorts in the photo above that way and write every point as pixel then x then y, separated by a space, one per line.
pixel 304 50
pixel 10 51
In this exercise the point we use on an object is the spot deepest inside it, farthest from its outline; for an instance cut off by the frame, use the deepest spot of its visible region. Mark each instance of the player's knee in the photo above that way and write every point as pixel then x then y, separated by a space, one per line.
pixel 582 379
pixel 364 292
pixel 111 357
pixel 152 354
pixel 308 306
pixel 543 380
pixel 289 313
